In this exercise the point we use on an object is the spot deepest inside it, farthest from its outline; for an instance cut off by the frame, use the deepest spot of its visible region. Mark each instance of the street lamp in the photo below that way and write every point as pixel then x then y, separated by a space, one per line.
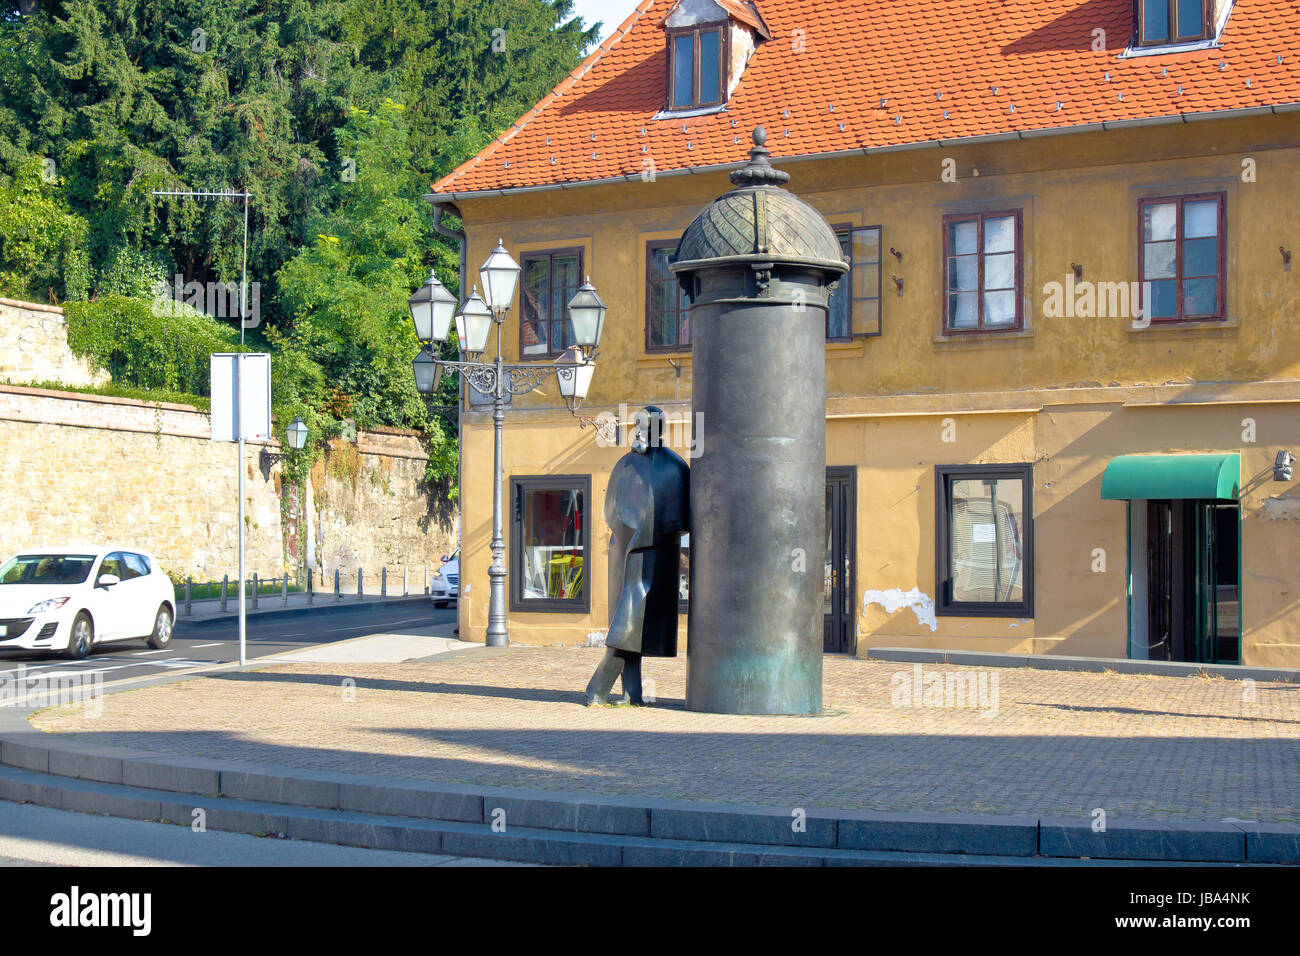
pixel 432 308
pixel 587 312
pixel 474 321
pixel 296 436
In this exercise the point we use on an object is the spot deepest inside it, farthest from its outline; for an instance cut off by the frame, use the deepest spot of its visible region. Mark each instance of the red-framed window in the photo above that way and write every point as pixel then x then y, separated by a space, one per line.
pixel 697 66
pixel 667 308
pixel 1163 22
pixel 983 256
pixel 1181 257
pixel 550 279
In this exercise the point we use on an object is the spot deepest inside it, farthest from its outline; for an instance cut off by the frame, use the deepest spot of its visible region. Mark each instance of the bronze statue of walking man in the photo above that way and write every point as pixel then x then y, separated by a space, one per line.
pixel 648 509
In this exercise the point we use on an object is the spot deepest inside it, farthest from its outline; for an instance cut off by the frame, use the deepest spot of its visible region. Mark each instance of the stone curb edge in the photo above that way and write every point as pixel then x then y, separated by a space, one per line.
pixel 624 817
pixel 309 611
pixel 1061 662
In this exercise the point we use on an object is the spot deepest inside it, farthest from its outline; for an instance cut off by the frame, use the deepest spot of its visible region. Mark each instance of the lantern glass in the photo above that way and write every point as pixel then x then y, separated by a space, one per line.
pixel 432 308
pixel 297 434
pixel 473 323
pixel 428 372
pixel 574 376
pixel 499 275
pixel 587 313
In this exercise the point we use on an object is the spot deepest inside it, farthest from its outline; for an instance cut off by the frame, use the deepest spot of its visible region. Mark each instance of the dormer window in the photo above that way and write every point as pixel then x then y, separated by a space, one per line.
pixel 1168 22
pixel 709 43
pixel 697 71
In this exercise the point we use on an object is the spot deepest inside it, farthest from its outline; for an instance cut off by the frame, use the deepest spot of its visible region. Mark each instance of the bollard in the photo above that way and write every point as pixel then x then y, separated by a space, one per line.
pixel 426 579
pixel 284 590
pixel 225 584
pixel 189 593
pixel 338 590
pixel 383 581
pixel 361 585
pixel 255 589
pixel 405 582
pixel 310 578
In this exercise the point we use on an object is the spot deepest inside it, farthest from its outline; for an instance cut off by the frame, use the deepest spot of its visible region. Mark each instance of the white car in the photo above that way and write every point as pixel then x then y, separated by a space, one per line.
pixel 445 586
pixel 71 599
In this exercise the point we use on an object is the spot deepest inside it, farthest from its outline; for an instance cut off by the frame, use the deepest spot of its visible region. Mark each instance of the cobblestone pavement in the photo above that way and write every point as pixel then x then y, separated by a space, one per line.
pixel 1046 742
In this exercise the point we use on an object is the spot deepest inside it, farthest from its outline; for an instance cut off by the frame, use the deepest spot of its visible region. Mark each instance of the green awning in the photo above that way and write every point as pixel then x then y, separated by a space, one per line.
pixel 1172 476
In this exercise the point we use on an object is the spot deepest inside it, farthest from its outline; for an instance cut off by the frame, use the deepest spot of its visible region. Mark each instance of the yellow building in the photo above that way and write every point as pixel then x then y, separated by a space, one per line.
pixel 1066 251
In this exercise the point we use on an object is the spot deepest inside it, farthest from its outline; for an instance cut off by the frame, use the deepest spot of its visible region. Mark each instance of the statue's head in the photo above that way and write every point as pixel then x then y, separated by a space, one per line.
pixel 647 429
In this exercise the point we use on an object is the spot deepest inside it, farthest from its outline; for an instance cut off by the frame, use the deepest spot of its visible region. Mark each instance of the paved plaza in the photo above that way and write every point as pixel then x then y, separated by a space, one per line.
pixel 1027 741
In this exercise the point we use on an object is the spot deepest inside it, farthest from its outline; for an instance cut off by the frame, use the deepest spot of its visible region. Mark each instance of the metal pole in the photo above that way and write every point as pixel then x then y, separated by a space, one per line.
pixel 405 582
pixel 497 636
pixel 225 586
pixel 284 589
pixel 239 431
pixel 361 584
pixel 338 590
pixel 383 581
pixel 189 590
pixel 310 578
pixel 255 590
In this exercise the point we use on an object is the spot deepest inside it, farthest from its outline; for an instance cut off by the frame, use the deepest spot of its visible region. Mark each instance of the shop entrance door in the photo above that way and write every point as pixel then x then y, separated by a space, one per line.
pixel 1193 595
pixel 841 510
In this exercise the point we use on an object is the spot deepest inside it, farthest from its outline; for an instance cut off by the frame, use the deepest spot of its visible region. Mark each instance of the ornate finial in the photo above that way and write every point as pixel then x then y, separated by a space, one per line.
pixel 759 172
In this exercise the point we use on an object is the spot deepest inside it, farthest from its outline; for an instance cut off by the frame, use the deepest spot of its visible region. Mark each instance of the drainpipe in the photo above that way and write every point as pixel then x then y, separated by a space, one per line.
pixel 440 208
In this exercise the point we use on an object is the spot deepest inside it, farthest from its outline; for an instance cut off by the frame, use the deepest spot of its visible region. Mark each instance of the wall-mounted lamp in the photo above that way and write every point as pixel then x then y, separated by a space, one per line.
pixel 898 283
pixel 896 254
pixel 1078 271
pixel 1282 466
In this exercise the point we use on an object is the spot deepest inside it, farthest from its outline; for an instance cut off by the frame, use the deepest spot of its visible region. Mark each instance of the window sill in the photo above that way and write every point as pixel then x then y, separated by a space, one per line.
pixel 844 350
pixel 661 359
pixel 1193 327
pixel 688 112
pixel 983 339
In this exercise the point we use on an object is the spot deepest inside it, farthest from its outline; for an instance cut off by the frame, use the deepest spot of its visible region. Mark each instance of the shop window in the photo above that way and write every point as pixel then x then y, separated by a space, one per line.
pixel 550 279
pixel 984 540
pixel 1181 257
pixel 550 546
pixel 855 304
pixel 667 308
pixel 983 272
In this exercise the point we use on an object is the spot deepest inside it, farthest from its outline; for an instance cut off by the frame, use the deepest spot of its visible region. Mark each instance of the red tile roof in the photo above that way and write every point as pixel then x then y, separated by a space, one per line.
pixel 874 75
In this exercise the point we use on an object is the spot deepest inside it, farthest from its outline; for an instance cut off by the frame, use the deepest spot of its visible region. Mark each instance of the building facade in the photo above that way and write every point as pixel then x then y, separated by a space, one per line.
pixel 1063 373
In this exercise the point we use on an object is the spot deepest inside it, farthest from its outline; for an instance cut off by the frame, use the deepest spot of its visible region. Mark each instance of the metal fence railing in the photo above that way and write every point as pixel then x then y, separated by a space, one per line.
pixel 316 583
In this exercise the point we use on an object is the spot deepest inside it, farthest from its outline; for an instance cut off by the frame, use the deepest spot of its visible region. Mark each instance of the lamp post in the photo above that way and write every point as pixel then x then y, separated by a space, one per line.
pixel 433 309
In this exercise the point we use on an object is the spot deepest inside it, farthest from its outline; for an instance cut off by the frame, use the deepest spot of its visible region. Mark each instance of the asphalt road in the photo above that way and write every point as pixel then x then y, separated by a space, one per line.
pixel 217 642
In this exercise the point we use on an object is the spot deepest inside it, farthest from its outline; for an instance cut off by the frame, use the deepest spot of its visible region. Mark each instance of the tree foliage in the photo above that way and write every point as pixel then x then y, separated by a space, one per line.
pixel 334 115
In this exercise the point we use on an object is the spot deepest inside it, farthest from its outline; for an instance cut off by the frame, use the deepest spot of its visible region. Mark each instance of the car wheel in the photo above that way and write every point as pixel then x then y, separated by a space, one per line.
pixel 81 637
pixel 439 604
pixel 162 629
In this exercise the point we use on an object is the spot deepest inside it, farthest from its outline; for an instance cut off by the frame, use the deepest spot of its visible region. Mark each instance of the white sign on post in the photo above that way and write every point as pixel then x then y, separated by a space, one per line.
pixel 241 396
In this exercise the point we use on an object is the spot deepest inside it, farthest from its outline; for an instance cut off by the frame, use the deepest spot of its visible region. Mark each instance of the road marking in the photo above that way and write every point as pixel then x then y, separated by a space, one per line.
pixel 147 653
pixel 195 647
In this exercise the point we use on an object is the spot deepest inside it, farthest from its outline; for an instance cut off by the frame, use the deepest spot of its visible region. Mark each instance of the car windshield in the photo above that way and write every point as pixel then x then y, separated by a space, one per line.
pixel 47 569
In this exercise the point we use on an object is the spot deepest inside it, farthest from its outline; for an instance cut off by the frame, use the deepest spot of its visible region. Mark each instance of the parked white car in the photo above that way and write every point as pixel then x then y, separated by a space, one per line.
pixel 445 586
pixel 72 599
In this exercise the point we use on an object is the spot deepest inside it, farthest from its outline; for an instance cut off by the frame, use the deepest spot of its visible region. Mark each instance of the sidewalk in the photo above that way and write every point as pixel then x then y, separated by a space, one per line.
pixel 1049 743
pixel 210 610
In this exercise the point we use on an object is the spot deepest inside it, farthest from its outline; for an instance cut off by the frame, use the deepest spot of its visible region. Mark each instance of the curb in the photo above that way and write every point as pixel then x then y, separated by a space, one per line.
pixel 1060 662
pixel 590 827
pixel 307 611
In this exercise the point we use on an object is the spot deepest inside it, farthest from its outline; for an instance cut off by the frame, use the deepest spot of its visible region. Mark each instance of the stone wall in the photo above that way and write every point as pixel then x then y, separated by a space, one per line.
pixel 90 469
pixel 34 347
